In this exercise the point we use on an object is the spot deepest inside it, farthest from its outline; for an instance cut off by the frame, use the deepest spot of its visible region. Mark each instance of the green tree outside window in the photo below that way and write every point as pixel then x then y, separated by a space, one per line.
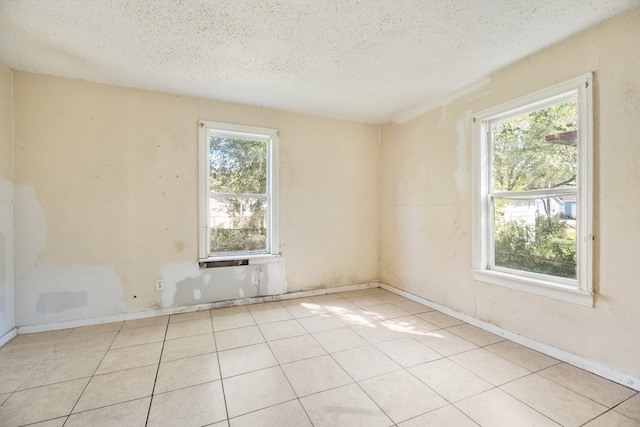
pixel 532 152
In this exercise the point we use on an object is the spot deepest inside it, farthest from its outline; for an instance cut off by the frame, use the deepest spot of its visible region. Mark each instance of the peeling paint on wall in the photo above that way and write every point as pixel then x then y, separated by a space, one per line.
pixel 463 127
pixel 6 190
pixel 3 274
pixel 439 102
pixel 48 293
pixel 172 274
pixel 101 284
pixel 136 218
pixel 56 302
pixel 443 117
pixel 7 281
pixel 33 228
pixel 277 284
pixel 186 284
pixel 603 333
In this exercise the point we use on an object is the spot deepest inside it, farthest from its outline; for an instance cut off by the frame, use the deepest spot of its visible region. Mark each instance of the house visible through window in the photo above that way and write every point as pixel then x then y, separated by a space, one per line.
pixel 237 185
pixel 534 190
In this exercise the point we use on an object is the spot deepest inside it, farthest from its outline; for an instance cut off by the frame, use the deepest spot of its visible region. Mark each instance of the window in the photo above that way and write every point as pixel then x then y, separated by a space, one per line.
pixel 532 172
pixel 238 216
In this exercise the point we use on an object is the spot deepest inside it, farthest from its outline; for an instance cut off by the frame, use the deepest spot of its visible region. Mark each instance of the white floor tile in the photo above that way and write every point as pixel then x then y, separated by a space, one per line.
pixel 365 362
pixel 562 405
pixel 344 406
pixel 246 359
pixel 497 408
pixel 256 390
pixel 315 375
pixel 401 395
pixel 451 381
pixel 360 358
pixel 296 348
pixel 285 414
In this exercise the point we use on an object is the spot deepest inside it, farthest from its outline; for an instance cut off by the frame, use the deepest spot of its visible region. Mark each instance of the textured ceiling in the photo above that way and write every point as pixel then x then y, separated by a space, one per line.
pixel 364 60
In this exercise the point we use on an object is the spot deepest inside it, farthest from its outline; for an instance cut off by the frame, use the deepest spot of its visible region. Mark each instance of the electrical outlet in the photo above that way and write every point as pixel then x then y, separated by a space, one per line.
pixel 159 285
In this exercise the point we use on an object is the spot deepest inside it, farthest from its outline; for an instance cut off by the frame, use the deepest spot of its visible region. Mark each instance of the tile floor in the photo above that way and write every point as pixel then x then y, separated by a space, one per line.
pixel 360 358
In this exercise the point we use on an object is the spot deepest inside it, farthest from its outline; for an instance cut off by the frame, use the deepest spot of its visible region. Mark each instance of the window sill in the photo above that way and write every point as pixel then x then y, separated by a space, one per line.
pixel 535 286
pixel 253 259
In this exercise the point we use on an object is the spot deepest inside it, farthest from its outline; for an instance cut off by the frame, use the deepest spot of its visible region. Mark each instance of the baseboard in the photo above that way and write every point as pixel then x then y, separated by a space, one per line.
pixel 28 329
pixel 577 361
pixel 8 336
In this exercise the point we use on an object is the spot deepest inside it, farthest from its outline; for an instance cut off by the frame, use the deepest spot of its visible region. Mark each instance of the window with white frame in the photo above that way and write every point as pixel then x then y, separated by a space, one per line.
pixel 238 191
pixel 533 185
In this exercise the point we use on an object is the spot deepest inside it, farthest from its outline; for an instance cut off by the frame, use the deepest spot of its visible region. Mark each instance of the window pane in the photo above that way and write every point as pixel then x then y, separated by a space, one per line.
pixel 237 166
pixel 536 235
pixel 536 150
pixel 238 225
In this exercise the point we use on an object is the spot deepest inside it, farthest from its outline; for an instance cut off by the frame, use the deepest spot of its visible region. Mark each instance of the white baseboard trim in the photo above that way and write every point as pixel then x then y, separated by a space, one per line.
pixel 8 336
pixel 577 361
pixel 29 329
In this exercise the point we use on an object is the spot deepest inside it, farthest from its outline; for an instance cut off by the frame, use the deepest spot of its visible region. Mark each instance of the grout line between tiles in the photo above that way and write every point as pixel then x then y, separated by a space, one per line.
pixel 93 374
pixel 280 366
pixel 155 379
pixel 224 394
pixel 522 401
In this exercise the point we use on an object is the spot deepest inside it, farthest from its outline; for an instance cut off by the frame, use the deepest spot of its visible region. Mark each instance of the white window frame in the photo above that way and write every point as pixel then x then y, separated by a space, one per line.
pixel 579 290
pixel 248 132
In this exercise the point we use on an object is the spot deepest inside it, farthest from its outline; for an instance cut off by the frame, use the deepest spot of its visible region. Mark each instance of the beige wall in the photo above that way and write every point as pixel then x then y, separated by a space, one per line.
pixel 6 124
pixel 426 200
pixel 107 201
pixel 7 300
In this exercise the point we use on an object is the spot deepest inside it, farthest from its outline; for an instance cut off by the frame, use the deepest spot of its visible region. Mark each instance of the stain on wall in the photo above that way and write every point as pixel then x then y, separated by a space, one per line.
pixel 7 283
pixel 463 128
pixel 7 173
pixel 3 274
pixel 109 199
pixel 186 284
pixel 428 235
pixel 56 302
pixel 47 292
